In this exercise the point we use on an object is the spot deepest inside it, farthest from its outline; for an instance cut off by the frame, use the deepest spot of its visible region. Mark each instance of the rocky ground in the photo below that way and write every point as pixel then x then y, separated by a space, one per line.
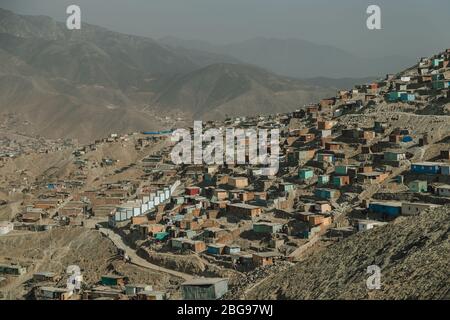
pixel 249 280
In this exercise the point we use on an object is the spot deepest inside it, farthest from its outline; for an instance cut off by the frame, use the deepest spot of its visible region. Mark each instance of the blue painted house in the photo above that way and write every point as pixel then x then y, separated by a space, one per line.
pixel 390 209
pixel 393 96
pixel 215 249
pixel 426 168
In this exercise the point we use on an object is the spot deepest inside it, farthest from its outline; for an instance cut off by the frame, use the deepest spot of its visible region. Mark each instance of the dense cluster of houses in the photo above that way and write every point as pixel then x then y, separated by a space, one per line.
pixel 239 219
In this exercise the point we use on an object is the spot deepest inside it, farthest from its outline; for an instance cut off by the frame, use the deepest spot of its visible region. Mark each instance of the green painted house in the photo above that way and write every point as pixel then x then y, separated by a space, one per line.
pixel 418 186
pixel 342 170
pixel 439 85
pixel 113 280
pixel 287 187
pixel 323 179
pixel 266 227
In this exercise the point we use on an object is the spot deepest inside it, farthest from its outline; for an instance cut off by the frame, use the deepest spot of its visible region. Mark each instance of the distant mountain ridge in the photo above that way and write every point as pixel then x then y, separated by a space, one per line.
pixel 299 58
pixel 88 83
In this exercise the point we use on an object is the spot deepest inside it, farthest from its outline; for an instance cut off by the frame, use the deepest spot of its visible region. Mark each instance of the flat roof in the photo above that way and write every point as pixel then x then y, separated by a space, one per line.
pixel 371 174
pixel 267 254
pixel 387 203
pixel 427 163
pixel 113 276
pixel 216 245
pixel 13 266
pixel 244 206
pixel 267 223
pixel 213 229
pixel 54 289
pixel 45 273
pixel 421 204
pixel 148 292
pixel 203 281
pixel 364 221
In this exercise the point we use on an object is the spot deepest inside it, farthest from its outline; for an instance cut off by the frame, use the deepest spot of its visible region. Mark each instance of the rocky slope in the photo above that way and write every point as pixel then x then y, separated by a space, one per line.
pixel 412 252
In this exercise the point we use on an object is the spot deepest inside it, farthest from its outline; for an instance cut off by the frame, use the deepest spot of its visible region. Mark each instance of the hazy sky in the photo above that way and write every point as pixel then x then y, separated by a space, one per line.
pixel 410 27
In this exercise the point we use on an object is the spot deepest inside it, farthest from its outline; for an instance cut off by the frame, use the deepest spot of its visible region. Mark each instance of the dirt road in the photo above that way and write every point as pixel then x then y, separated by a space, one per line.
pixel 135 259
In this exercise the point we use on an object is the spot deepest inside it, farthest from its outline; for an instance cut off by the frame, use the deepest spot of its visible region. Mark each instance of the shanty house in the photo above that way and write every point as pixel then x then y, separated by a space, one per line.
pixel 267 227
pixel 418 186
pixel 425 168
pixel 204 288
pixel 390 209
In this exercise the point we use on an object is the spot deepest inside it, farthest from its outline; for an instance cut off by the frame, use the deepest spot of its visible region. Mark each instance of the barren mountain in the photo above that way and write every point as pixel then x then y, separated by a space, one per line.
pixel 236 89
pixel 87 83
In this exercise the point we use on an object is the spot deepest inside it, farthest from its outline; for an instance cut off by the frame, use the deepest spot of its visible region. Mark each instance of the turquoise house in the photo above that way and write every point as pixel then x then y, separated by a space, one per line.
pixel 112 280
pixel 305 173
pixel 161 236
pixel 437 77
pixel 436 62
pixel 393 96
pixel 340 181
pixel 342 170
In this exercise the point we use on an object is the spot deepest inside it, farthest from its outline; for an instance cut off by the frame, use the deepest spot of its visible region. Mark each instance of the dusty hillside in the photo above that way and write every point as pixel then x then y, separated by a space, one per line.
pixel 55 250
pixel 413 254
